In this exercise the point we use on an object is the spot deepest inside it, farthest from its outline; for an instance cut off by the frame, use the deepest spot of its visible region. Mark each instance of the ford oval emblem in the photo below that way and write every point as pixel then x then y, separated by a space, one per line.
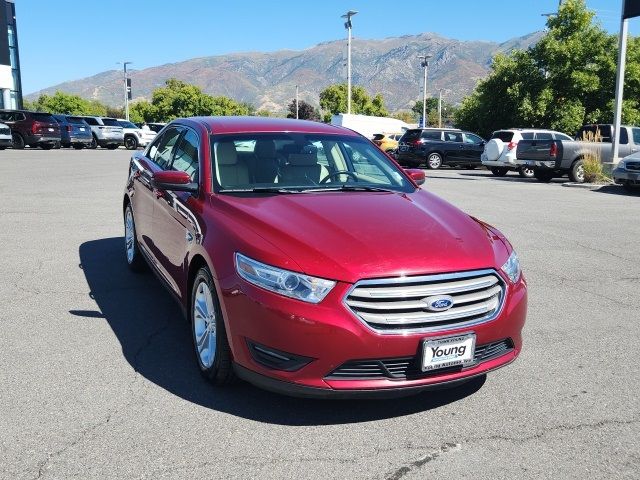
pixel 438 303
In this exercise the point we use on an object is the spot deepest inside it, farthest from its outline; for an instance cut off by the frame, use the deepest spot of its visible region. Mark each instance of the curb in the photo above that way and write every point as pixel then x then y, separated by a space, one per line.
pixel 586 186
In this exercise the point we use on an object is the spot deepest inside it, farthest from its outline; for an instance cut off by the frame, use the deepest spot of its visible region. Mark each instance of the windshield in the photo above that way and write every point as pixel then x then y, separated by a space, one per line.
pixel 299 162
pixel 126 124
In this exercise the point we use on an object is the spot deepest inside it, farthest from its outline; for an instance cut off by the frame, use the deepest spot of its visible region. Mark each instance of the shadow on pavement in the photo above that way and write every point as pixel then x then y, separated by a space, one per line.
pixel 617 190
pixel 156 342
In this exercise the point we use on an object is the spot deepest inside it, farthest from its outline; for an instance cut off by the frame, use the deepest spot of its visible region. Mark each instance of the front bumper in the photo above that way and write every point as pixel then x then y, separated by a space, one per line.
pixel 329 335
pixel 626 177
pixel 6 142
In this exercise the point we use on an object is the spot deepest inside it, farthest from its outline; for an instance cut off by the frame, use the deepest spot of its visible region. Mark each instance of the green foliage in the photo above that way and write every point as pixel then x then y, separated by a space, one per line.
pixel 448 111
pixel 141 111
pixel 66 103
pixel 333 100
pixel 306 111
pixel 566 80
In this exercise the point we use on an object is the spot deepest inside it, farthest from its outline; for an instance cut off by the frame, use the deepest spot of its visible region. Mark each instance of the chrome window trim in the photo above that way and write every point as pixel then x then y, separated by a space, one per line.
pixel 425 278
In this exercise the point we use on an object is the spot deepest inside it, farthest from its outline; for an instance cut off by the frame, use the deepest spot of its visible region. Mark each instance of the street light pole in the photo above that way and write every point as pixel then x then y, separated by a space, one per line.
pixel 347 25
pixel 297 109
pixel 126 88
pixel 617 118
pixel 440 108
pixel 425 65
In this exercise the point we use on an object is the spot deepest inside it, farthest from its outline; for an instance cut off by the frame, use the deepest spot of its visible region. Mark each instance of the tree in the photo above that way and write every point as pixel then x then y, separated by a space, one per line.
pixel 141 111
pixel 333 100
pixel 68 104
pixel 306 111
pixel 565 80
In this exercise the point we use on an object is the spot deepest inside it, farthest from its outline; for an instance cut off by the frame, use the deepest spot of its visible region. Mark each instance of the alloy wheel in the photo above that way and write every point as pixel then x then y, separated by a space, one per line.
pixel 434 161
pixel 129 235
pixel 204 325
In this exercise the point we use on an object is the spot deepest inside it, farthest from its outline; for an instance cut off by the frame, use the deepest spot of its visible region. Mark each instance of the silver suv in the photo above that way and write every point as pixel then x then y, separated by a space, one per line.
pixel 106 132
pixel 499 153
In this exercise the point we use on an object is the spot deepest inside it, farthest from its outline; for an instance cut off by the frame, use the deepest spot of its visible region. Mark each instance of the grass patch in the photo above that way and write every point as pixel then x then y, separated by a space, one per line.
pixel 592 162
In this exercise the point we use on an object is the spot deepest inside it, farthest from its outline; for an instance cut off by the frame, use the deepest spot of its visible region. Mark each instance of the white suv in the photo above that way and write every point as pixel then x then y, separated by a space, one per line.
pixel 135 137
pixel 499 153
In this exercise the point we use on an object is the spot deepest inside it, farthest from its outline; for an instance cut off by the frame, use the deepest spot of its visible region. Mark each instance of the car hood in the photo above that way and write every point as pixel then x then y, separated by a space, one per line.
pixel 348 236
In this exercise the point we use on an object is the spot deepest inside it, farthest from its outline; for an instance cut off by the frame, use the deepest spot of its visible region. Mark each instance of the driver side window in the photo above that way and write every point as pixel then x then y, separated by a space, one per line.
pixel 161 150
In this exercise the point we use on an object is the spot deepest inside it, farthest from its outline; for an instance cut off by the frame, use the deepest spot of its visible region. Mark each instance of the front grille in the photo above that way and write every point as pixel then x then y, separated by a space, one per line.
pixel 408 368
pixel 401 304
pixel 633 165
pixel 5 131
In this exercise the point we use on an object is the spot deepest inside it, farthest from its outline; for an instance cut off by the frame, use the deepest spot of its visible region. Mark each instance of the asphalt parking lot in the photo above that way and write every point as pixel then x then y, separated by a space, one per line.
pixel 98 380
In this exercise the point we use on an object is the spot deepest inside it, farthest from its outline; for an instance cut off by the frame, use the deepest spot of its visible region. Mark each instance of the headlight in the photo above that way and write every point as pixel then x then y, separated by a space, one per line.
pixel 621 165
pixel 512 267
pixel 290 284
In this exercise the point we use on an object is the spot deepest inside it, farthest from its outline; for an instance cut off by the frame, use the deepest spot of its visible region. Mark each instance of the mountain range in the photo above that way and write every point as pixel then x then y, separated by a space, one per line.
pixel 267 80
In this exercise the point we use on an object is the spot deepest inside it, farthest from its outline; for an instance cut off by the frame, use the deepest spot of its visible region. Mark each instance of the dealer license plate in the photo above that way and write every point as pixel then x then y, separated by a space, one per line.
pixel 448 352
pixel 50 129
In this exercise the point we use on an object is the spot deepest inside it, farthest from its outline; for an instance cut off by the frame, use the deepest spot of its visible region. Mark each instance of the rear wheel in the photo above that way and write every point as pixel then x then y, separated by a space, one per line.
pixel 434 161
pixel 209 335
pixel 130 142
pixel 543 176
pixel 18 141
pixel 576 174
pixel 499 171
pixel 94 143
pixel 525 172
pixel 132 250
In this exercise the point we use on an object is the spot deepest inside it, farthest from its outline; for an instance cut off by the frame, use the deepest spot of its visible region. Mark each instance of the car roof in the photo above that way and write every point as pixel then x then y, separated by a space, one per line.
pixel 222 125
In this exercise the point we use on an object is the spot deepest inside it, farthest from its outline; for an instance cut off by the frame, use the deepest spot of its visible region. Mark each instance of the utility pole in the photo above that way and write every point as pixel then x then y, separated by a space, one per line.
pixel 425 65
pixel 440 108
pixel 126 88
pixel 297 109
pixel 622 59
pixel 347 25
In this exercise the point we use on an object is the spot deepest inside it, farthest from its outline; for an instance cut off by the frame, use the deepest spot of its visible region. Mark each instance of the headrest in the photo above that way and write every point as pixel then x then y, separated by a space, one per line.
pixel 226 153
pixel 265 149
pixel 303 159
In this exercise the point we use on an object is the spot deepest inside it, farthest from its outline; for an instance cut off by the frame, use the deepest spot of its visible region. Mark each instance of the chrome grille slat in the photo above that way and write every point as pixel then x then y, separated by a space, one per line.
pixel 419 305
pixel 399 304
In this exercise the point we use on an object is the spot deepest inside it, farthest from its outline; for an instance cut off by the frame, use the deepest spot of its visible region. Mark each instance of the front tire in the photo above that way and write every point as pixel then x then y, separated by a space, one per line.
pixel 131 248
pixel 434 161
pixel 499 171
pixel 209 335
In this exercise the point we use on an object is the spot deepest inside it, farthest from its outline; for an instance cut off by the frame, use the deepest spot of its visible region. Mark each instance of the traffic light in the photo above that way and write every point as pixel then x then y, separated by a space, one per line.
pixel 129 96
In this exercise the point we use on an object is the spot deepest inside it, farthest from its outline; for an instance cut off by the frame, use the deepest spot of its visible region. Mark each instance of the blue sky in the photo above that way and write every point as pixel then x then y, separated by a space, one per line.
pixel 70 39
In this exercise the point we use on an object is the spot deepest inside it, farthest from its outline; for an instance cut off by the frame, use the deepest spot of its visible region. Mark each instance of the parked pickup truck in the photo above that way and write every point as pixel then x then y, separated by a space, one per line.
pixel 555 158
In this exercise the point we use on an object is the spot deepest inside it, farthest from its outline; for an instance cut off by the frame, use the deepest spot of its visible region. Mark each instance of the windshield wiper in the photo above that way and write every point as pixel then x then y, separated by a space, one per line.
pixel 259 190
pixel 350 188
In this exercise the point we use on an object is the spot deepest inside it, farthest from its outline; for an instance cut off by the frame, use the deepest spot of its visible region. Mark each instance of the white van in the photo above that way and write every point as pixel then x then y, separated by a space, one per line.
pixel 368 126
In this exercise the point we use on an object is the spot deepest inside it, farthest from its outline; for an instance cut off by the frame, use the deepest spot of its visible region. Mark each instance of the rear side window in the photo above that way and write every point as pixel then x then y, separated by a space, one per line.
pixel 91 121
pixel 505 136
pixel 60 118
pixel 624 136
pixel 431 135
pixel 111 122
pixel 636 135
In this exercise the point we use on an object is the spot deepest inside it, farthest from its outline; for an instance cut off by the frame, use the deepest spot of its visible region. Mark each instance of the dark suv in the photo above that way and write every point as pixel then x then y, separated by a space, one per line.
pixel 74 131
pixel 35 129
pixel 439 146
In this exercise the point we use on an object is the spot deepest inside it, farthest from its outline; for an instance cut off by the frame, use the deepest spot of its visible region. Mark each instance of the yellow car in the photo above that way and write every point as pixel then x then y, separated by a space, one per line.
pixel 387 142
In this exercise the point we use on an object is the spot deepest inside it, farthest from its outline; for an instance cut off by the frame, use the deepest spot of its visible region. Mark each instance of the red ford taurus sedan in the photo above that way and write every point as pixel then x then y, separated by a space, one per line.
pixel 309 263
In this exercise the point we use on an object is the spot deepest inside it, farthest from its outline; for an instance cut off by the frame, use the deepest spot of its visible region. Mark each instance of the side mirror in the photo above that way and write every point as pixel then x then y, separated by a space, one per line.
pixel 172 180
pixel 416 175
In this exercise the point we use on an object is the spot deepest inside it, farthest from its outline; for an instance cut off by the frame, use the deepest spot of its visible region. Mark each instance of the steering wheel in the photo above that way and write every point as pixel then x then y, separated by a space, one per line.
pixel 339 172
